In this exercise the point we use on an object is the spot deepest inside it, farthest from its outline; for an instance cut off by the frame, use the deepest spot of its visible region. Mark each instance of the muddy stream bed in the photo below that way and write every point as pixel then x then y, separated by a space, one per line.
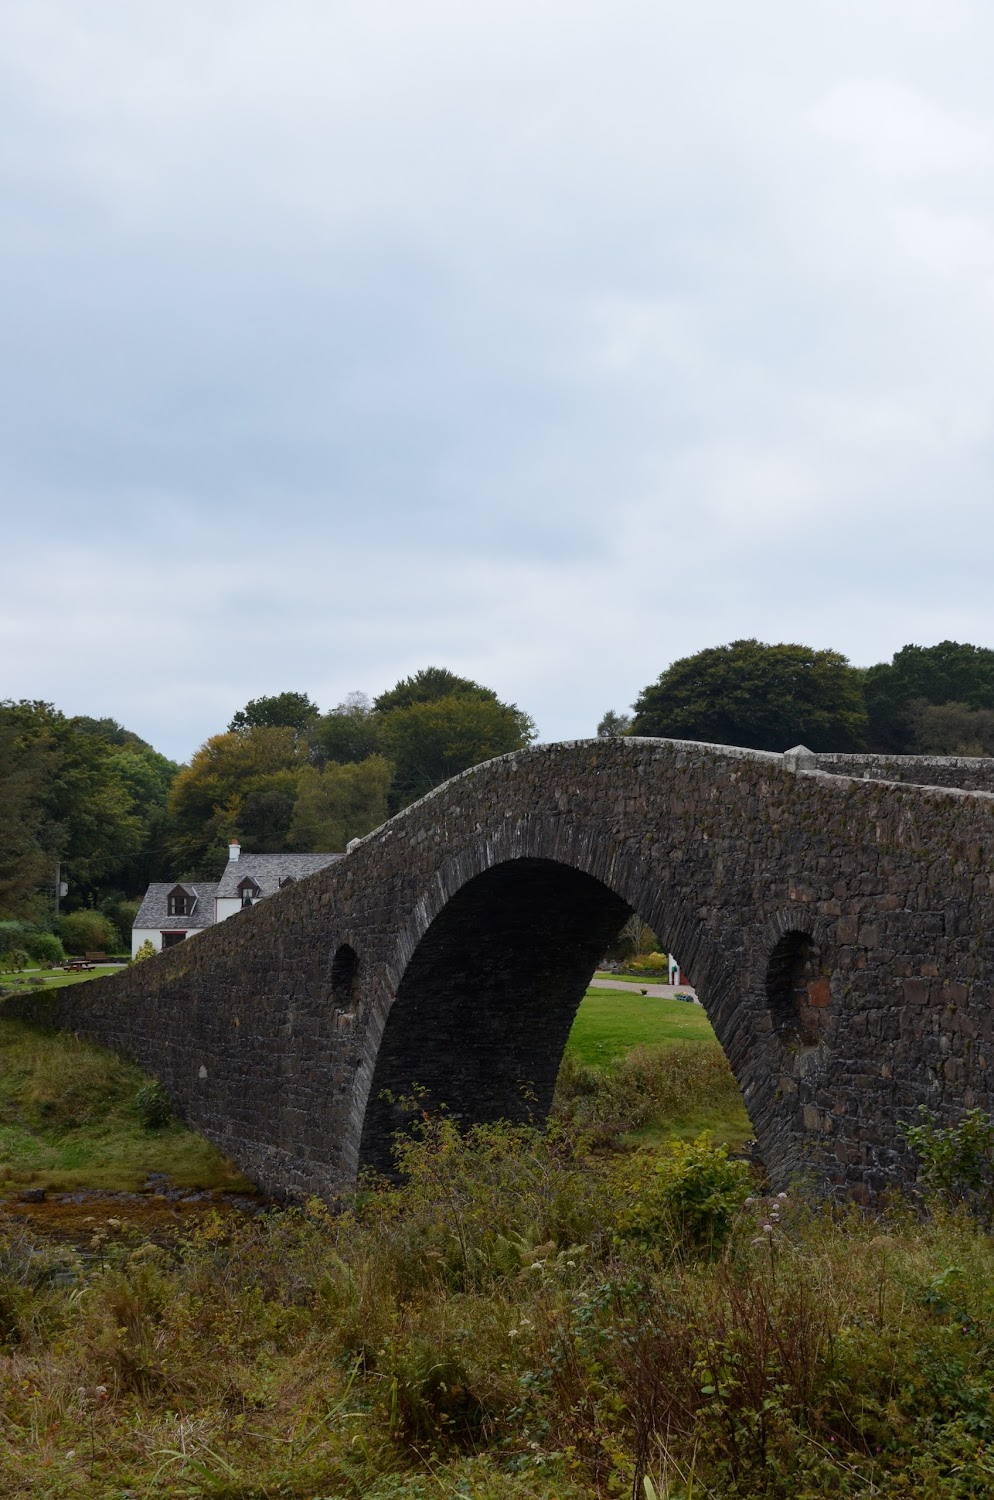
pixel 88 1220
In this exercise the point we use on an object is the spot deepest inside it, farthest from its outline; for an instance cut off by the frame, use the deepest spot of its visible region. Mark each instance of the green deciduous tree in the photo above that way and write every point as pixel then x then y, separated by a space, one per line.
pixel 99 797
pixel 339 803
pixel 27 858
pixel 348 733
pixel 951 729
pixel 434 724
pixel 236 785
pixel 950 673
pixel 765 697
pixel 614 725
pixel 428 685
pixel 282 711
pixel 431 741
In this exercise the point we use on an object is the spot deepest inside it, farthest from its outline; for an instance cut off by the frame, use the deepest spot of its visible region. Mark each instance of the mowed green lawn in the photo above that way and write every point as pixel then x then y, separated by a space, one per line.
pixel 610 1023
pixel 52 979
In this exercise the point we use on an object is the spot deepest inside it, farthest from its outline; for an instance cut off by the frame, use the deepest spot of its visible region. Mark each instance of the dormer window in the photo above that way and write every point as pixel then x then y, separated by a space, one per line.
pixel 178 902
pixel 249 892
pixel 285 880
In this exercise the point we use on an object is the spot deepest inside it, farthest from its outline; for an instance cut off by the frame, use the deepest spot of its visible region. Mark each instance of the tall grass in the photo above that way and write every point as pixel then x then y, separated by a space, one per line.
pixel 662 1091
pixel 494 1327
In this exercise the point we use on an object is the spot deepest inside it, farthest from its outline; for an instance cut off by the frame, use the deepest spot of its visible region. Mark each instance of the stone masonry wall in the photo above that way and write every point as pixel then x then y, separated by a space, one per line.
pixel 974 774
pixel 839 930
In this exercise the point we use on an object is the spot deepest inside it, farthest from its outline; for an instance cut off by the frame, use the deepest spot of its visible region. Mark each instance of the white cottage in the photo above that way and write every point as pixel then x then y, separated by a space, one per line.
pixel 174 910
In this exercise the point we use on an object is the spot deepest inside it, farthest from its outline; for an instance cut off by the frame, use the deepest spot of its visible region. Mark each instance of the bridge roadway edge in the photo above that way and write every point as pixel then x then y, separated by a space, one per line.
pixel 722 851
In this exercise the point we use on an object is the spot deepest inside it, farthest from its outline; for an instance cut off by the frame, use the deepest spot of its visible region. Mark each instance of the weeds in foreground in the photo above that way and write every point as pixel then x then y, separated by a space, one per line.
pixel 516 1321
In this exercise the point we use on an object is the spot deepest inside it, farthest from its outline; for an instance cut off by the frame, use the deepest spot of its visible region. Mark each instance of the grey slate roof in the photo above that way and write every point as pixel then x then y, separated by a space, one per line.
pixel 267 870
pixel 153 912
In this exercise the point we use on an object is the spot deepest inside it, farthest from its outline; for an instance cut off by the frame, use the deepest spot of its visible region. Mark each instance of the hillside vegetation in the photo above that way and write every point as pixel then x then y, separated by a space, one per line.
pixel 520 1321
pixel 529 1317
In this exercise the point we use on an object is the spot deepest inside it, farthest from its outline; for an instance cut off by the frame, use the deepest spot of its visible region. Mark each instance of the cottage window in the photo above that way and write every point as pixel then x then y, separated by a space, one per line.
pixel 249 892
pixel 178 903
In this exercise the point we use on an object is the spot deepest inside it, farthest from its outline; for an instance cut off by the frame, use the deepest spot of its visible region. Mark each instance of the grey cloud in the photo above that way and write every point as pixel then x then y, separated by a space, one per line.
pixel 550 343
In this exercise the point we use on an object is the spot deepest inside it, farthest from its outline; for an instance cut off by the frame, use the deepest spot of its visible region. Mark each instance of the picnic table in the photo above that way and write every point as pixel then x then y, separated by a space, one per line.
pixel 77 963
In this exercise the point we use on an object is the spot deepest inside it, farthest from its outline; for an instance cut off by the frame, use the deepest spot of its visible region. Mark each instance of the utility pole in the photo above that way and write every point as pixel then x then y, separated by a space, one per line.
pixel 61 886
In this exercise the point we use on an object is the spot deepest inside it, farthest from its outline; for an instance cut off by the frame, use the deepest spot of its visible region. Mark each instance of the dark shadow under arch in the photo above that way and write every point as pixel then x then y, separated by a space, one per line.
pixel 485 1005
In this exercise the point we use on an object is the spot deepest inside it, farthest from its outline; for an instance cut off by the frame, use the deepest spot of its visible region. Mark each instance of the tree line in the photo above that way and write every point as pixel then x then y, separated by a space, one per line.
pixel 94 799
pixel 928 700
pixel 99 801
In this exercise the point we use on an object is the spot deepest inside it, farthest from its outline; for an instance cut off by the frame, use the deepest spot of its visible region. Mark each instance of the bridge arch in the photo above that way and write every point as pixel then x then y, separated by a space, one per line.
pixel 490 972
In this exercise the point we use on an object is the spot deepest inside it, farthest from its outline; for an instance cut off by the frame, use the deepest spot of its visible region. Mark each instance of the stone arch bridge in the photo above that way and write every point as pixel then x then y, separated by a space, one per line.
pixel 836 915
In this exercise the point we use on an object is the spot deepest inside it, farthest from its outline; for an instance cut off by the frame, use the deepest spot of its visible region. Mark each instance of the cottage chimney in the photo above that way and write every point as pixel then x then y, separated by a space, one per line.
pixel 234 849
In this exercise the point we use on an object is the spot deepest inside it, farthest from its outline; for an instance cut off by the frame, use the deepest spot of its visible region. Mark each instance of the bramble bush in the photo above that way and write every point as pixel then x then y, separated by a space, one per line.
pixel 957 1161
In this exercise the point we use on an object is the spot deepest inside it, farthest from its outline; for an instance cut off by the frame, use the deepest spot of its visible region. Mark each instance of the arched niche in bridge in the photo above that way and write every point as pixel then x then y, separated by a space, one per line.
pixel 485 1005
pixel 344 977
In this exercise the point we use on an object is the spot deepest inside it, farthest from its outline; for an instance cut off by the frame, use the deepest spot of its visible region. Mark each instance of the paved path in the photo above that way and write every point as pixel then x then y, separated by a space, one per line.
pixel 658 991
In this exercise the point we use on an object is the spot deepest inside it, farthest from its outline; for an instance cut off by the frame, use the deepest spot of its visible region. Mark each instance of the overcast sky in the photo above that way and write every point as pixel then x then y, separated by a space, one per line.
pixel 547 342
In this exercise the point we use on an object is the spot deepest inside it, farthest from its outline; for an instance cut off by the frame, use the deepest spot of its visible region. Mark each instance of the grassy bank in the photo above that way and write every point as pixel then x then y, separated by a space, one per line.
pixel 642 1071
pixel 69 1117
pixel 638 1070
pixel 610 1023
pixel 516 1323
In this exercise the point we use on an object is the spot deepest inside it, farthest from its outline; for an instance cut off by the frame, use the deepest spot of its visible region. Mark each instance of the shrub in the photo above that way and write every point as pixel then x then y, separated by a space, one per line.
pixel 44 947
pixel 87 932
pixel 957 1161
pixel 144 950
pixel 16 959
pixel 153 1105
pixel 11 939
pixel 685 1198
pixel 122 914
pixel 657 963
pixel 477 1208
